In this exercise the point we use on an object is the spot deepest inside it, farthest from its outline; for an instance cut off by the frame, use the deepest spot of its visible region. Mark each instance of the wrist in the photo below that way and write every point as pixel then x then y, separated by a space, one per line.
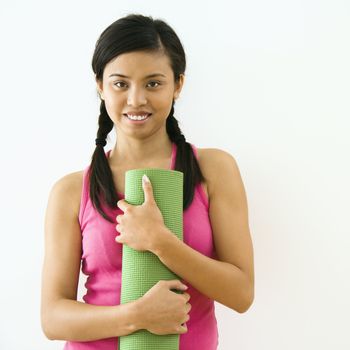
pixel 135 319
pixel 163 239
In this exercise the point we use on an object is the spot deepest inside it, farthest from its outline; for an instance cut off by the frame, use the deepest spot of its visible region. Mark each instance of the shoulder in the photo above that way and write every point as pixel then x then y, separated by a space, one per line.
pixel 214 161
pixel 67 189
pixel 214 155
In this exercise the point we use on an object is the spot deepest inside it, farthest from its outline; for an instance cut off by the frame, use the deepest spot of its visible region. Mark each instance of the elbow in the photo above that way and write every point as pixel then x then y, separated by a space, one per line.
pixel 247 300
pixel 46 331
pixel 242 297
pixel 48 335
pixel 46 328
pixel 245 307
pixel 242 304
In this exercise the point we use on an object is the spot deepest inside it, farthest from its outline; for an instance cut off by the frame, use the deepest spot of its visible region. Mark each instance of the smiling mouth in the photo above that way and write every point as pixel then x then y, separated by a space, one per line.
pixel 138 119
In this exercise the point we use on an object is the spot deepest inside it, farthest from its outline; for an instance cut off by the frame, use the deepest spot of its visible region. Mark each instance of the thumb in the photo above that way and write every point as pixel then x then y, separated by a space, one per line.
pixel 176 284
pixel 147 188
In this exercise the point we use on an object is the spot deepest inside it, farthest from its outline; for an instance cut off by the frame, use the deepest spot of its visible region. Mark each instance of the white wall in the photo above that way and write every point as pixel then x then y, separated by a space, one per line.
pixel 267 81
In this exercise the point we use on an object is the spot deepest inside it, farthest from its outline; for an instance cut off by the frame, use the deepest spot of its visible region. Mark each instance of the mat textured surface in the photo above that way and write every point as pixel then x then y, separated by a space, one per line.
pixel 142 270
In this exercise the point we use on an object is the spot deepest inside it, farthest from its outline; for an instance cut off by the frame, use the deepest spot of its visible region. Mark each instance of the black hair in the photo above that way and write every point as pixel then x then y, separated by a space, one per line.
pixel 136 32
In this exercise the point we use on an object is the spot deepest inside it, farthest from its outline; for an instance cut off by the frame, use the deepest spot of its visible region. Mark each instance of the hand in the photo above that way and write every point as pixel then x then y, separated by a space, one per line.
pixel 163 311
pixel 140 226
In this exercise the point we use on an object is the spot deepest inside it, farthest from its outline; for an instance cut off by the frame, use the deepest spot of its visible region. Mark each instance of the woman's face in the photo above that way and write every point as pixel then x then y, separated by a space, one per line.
pixel 128 87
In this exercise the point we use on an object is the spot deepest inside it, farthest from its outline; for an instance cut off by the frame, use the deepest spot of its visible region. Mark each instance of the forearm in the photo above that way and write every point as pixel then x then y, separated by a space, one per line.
pixel 218 280
pixel 77 321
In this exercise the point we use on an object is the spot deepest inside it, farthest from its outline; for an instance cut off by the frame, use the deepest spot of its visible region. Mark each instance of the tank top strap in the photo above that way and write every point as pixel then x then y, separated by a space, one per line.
pixel 84 194
pixel 173 156
pixel 200 186
pixel 194 150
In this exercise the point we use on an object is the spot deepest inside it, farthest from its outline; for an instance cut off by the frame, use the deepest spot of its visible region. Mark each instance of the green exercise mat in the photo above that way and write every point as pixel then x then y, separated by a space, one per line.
pixel 142 270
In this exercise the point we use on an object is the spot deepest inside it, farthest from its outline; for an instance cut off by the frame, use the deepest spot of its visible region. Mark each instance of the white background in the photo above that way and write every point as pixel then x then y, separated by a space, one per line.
pixel 267 81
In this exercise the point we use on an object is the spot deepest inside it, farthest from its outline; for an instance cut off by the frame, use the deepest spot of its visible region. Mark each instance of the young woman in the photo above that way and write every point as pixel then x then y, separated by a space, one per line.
pixel 139 65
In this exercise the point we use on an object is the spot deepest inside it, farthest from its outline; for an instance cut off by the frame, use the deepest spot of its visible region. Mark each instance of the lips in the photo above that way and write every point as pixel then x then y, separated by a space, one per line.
pixel 141 113
pixel 136 120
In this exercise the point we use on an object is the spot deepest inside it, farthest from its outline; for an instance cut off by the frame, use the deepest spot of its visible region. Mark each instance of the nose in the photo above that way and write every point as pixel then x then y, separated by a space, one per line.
pixel 136 97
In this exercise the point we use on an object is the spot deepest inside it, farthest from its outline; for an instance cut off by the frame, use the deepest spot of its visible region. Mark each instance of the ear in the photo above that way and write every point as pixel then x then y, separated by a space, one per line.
pixel 99 87
pixel 178 86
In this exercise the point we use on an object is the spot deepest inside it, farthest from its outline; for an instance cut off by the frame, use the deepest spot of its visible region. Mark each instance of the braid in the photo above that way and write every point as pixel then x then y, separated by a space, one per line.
pixel 105 124
pixel 186 161
pixel 173 128
pixel 101 177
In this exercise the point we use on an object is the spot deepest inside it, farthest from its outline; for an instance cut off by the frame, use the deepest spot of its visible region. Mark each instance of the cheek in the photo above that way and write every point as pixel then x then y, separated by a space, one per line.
pixel 110 109
pixel 161 100
pixel 114 106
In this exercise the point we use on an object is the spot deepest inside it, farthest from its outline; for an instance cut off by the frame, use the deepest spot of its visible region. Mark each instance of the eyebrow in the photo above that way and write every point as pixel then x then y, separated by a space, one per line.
pixel 146 77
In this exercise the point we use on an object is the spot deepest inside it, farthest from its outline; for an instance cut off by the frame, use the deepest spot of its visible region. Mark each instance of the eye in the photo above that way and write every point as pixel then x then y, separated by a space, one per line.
pixel 155 82
pixel 119 82
pixel 122 82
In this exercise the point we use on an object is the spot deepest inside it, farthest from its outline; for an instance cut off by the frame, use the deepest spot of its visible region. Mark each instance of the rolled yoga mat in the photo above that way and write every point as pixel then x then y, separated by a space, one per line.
pixel 142 270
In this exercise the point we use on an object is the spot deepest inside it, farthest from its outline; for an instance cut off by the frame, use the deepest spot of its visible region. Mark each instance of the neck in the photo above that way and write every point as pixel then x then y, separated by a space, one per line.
pixel 128 151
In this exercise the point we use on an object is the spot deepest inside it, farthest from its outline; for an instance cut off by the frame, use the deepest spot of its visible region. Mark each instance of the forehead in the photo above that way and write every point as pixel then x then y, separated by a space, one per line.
pixel 138 64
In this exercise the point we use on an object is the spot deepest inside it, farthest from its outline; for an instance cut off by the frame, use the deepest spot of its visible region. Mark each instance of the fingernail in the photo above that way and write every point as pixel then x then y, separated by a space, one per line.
pixel 145 178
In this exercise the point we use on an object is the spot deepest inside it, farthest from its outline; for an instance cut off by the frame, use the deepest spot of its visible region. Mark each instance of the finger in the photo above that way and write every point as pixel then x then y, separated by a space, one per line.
pixel 123 204
pixel 176 284
pixel 147 188
pixel 187 296
pixel 183 329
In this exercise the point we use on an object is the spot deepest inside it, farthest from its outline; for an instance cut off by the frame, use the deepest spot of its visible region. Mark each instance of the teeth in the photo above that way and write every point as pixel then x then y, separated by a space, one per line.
pixel 137 117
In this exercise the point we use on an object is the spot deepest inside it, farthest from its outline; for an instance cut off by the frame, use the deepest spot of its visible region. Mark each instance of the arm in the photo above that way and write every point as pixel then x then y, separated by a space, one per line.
pixel 229 281
pixel 62 316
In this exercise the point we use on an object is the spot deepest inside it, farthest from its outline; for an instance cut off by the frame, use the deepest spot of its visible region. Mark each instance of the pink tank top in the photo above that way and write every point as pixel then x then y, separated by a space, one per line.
pixel 102 263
